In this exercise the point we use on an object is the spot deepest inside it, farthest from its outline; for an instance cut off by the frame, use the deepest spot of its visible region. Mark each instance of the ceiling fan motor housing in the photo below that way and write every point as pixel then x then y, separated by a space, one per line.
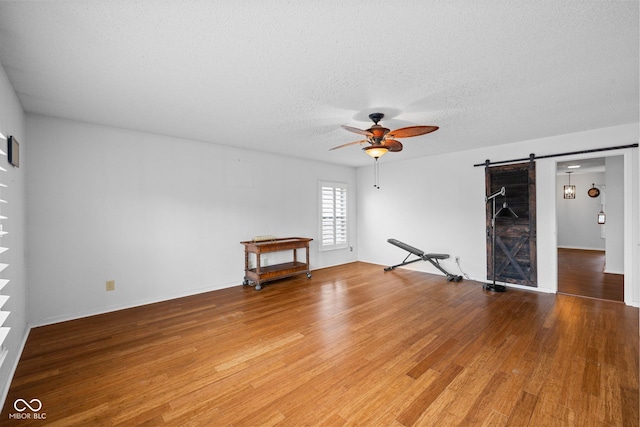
pixel 378 131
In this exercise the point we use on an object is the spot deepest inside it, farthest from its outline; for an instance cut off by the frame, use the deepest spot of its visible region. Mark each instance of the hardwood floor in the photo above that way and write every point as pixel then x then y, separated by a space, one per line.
pixel 581 272
pixel 354 345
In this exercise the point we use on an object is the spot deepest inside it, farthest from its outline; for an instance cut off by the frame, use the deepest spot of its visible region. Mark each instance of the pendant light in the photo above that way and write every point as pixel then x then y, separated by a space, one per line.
pixel 569 190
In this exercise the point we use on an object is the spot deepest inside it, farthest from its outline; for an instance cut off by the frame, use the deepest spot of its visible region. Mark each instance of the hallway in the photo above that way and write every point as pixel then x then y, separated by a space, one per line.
pixel 581 272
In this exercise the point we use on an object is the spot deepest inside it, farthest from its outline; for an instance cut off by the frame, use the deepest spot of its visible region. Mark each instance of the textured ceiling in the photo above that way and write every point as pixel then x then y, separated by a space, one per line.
pixel 282 76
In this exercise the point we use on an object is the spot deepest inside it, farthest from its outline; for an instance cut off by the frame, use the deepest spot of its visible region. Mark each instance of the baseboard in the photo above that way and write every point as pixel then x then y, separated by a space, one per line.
pixel 581 248
pixel 137 303
pixel 337 264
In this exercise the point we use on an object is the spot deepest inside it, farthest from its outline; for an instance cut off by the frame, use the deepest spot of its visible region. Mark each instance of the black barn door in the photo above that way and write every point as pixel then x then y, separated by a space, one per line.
pixel 515 238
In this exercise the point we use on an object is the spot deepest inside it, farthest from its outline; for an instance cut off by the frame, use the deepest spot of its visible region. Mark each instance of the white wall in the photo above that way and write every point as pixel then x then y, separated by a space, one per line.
pixel 437 204
pixel 614 168
pixel 578 226
pixel 12 122
pixel 161 216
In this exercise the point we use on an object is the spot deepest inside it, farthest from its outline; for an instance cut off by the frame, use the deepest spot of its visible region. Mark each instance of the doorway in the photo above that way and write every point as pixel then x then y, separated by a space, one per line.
pixel 590 223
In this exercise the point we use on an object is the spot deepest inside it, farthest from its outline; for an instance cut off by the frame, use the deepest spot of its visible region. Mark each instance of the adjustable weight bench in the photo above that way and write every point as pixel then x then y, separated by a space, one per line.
pixel 432 258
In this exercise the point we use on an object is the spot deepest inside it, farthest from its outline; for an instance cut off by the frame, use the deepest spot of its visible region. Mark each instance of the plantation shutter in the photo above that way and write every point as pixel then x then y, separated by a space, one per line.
pixel 333 206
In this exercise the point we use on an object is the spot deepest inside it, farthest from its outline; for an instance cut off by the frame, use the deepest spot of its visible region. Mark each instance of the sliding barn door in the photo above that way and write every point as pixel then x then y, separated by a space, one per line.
pixel 515 238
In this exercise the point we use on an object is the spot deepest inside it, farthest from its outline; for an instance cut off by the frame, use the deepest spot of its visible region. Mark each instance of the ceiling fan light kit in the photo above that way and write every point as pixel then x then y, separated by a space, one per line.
pixel 382 140
pixel 376 151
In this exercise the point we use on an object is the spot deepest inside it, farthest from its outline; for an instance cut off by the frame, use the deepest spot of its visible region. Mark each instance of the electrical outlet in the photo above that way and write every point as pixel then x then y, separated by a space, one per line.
pixel 111 285
pixel 265 262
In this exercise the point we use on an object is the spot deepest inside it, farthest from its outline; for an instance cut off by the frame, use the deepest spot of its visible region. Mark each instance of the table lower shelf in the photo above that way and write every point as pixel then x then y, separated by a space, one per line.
pixel 274 272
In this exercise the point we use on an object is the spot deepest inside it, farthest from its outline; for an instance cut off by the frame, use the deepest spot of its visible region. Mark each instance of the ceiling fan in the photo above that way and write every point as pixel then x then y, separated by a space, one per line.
pixel 381 139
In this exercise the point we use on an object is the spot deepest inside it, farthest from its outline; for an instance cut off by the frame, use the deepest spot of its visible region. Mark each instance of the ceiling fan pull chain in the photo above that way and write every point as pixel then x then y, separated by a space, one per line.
pixel 375 174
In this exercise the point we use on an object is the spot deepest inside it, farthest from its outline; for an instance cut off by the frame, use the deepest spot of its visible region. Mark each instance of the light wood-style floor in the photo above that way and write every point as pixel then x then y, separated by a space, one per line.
pixel 581 272
pixel 353 345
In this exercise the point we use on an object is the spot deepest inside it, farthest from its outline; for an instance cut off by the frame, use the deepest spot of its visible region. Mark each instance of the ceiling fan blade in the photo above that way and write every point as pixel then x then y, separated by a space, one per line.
pixel 356 130
pixel 411 131
pixel 393 145
pixel 362 141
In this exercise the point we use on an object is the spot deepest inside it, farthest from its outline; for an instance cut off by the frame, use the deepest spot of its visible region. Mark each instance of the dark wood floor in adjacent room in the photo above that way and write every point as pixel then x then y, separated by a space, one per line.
pixel 581 272
pixel 353 345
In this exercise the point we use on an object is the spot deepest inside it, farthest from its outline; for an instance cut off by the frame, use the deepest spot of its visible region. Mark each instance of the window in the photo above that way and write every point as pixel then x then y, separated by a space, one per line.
pixel 333 214
pixel 4 330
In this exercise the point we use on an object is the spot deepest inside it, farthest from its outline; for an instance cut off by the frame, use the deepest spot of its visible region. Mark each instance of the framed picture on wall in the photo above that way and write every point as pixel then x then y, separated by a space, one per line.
pixel 14 151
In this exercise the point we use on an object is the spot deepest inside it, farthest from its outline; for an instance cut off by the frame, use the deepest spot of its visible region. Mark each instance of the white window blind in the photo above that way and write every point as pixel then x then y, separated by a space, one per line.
pixel 333 213
pixel 4 313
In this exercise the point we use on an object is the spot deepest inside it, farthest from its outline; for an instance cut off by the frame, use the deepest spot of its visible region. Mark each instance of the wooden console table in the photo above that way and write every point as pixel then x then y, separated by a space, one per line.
pixel 261 274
